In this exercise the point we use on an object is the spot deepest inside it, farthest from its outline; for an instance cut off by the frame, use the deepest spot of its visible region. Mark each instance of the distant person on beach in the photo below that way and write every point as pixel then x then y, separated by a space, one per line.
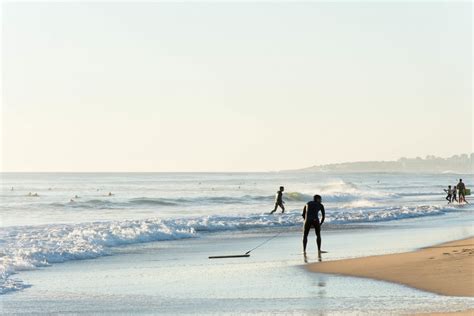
pixel 454 198
pixel 311 219
pixel 279 201
pixel 110 194
pixel 462 191
pixel 449 191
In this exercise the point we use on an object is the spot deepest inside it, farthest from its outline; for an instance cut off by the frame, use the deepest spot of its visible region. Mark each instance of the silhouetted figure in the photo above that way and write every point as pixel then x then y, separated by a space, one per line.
pixel 454 198
pixel 279 201
pixel 311 219
pixel 462 191
pixel 449 191
pixel 110 194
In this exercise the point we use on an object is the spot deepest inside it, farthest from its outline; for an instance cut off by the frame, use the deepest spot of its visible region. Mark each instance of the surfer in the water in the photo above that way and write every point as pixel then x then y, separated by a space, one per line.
pixel 454 198
pixel 462 191
pixel 311 219
pixel 449 192
pixel 279 201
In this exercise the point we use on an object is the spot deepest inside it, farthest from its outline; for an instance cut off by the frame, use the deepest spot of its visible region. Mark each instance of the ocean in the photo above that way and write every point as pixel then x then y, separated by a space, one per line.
pixel 56 221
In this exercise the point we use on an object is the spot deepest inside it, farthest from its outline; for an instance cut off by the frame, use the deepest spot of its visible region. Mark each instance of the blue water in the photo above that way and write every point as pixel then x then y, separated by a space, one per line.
pixel 73 217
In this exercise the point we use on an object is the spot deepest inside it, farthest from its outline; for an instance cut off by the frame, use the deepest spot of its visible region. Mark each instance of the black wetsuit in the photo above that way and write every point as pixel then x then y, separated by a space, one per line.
pixel 462 192
pixel 311 219
pixel 279 202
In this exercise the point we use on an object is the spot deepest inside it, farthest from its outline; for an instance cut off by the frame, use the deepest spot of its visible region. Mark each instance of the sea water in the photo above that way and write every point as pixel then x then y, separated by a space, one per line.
pixel 85 216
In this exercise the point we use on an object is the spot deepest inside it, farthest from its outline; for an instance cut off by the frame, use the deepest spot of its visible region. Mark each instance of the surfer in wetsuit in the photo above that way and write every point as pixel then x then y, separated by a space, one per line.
pixel 462 191
pixel 279 201
pixel 311 219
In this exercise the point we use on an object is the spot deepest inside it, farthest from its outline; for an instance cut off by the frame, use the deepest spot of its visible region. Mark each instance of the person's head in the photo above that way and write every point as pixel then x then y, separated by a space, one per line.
pixel 317 198
pixel 449 186
pixel 460 180
pixel 282 189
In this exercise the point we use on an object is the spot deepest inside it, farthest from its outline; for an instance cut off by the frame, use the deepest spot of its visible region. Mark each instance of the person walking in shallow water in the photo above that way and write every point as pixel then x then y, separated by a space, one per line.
pixel 449 193
pixel 279 201
pixel 461 191
pixel 454 197
pixel 311 219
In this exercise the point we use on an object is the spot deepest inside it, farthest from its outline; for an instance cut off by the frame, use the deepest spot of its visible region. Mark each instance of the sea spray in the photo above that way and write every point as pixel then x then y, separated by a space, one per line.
pixel 28 247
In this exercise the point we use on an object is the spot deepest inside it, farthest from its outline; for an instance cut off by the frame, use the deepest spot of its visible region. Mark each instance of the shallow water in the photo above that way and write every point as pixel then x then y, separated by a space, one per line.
pixel 151 239
pixel 173 277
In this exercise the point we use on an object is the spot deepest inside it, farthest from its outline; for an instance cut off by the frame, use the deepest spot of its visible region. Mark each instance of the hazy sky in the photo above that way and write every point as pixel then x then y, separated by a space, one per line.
pixel 232 86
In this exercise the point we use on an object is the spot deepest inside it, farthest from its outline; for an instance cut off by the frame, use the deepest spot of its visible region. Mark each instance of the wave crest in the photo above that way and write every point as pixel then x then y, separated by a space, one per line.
pixel 31 247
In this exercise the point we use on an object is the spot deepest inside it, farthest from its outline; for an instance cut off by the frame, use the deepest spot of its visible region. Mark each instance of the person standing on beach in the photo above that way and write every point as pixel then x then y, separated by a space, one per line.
pixel 461 191
pixel 311 219
pixel 279 201
pixel 449 191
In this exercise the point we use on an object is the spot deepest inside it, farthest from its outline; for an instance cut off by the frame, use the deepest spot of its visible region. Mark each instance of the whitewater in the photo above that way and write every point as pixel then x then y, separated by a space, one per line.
pixel 85 216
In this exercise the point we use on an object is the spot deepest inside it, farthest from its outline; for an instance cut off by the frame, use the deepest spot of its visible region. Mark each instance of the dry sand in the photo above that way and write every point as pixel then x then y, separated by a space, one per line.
pixel 446 269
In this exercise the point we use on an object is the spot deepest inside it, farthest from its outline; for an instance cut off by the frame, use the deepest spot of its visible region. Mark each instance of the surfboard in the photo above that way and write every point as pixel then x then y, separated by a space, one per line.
pixel 230 256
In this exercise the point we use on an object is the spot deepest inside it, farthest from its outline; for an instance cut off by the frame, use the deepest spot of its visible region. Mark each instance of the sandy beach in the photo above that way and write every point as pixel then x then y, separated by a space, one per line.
pixel 446 269
pixel 468 312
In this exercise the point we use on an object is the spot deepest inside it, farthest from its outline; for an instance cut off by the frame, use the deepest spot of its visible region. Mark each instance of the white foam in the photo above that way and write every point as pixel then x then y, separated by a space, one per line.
pixel 36 246
pixel 31 247
pixel 360 204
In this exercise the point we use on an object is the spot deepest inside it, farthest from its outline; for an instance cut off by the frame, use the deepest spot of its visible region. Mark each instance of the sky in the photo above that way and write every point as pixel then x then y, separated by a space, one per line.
pixel 242 86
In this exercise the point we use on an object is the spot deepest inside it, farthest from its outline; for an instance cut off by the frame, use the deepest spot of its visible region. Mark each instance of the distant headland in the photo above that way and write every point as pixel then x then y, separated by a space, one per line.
pixel 463 163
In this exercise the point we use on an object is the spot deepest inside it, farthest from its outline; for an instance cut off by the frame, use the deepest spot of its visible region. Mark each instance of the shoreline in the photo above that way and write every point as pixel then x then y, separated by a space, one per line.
pixel 445 269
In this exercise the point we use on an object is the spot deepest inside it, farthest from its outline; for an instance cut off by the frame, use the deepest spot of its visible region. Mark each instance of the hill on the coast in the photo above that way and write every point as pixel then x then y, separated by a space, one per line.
pixel 463 163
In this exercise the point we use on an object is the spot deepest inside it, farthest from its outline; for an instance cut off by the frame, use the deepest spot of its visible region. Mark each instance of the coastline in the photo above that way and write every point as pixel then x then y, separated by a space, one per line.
pixel 468 312
pixel 446 269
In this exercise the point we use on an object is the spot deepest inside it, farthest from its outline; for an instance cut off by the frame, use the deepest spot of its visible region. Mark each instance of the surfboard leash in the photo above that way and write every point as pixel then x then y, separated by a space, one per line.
pixel 263 243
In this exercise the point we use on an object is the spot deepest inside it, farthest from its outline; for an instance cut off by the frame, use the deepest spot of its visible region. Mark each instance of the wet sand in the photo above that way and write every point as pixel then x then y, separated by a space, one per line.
pixel 446 269
pixel 469 312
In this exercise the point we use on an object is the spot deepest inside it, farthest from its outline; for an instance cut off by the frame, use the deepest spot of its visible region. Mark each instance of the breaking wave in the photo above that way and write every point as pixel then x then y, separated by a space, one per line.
pixel 150 202
pixel 29 247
